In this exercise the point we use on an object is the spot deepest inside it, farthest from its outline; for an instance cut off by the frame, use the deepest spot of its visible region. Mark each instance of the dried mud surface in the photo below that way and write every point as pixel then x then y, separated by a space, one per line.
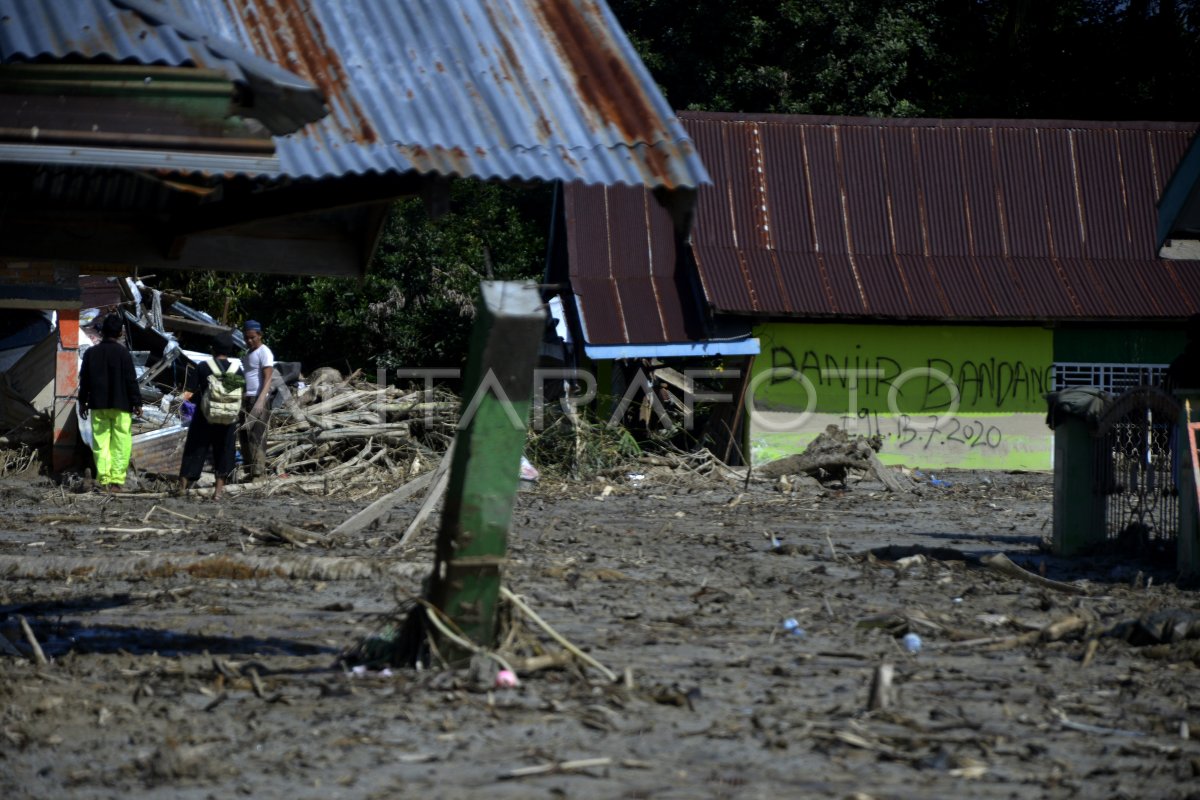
pixel 178 671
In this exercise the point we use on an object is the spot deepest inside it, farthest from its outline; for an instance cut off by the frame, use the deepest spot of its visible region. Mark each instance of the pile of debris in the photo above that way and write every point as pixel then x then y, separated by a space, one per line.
pixel 832 456
pixel 336 433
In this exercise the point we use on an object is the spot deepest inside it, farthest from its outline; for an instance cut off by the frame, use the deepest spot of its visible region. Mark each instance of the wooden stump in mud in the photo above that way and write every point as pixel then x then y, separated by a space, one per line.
pixel 832 455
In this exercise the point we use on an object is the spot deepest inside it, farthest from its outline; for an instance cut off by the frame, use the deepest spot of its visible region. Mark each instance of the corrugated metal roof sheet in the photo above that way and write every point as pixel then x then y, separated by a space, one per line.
pixel 143 32
pixel 521 89
pixel 970 220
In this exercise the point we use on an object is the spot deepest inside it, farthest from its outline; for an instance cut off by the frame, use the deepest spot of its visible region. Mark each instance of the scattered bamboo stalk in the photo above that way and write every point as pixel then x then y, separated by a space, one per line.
pixel 297 536
pixel 1084 727
pixel 560 766
pixel 38 655
pixel 433 616
pixel 1052 632
pixel 1089 653
pixel 441 478
pixel 138 531
pixel 382 506
pixel 167 511
pixel 541 623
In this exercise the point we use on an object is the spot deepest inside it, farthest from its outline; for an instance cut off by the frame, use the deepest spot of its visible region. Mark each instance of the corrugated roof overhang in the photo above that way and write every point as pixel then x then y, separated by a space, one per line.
pixel 491 89
pixel 149 34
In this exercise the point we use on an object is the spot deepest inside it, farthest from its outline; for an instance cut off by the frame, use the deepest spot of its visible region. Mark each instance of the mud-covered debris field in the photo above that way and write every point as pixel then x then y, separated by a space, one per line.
pixel 186 658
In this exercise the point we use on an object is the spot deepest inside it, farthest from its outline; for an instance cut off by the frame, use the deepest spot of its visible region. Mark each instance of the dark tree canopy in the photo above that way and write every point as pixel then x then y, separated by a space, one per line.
pixel 1065 59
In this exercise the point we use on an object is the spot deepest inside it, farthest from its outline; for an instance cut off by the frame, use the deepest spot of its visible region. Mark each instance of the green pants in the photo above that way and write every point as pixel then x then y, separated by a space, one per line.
pixel 112 439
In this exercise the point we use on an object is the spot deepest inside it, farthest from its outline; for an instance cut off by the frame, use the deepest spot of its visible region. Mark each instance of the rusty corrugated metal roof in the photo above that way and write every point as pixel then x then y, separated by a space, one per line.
pixel 510 89
pixel 969 220
pixel 954 219
pixel 633 302
pixel 144 32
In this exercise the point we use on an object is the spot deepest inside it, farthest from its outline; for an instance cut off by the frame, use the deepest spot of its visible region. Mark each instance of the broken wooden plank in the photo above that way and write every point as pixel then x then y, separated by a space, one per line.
pixel 441 479
pixel 383 505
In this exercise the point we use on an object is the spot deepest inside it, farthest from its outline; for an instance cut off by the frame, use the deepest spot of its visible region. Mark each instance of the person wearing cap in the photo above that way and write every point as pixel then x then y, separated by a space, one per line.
pixel 256 410
pixel 204 436
pixel 109 393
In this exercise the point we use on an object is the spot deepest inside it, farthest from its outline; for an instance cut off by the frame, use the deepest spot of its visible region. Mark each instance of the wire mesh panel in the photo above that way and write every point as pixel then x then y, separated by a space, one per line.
pixel 1136 470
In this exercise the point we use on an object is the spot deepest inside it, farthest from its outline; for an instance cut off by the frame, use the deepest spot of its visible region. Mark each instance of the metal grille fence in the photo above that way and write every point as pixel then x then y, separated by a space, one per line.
pixel 1115 378
pixel 1136 471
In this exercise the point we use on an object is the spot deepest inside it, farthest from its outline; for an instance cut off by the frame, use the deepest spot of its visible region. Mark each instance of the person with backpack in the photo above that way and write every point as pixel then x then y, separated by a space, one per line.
pixel 109 391
pixel 216 387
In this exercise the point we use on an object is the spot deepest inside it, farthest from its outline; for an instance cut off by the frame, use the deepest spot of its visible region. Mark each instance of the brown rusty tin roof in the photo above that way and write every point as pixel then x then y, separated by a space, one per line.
pixel 965 220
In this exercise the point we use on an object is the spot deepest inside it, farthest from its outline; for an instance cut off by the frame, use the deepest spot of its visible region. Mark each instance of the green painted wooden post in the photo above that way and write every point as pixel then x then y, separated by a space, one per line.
pixel 485 467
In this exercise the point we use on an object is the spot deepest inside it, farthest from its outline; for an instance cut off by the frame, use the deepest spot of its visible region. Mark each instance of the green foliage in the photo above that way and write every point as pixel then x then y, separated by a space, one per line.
pixel 415 306
pixel 581 448
pixel 211 291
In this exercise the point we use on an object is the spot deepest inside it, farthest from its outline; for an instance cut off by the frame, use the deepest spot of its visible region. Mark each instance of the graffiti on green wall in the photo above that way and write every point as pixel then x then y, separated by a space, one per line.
pixel 959 392
pixel 922 369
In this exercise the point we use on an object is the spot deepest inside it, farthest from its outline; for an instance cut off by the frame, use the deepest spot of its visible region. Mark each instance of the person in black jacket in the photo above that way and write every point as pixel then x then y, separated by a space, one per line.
pixel 204 435
pixel 109 392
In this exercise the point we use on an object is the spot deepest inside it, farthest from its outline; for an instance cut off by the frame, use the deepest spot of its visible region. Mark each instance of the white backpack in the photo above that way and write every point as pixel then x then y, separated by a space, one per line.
pixel 222 400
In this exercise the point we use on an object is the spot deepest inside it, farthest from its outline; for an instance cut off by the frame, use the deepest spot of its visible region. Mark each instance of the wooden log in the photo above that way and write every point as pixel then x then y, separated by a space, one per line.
pixel 894 481
pixel 344 399
pixel 397 431
pixel 382 506
pixel 295 535
pixel 811 464
pixel 1005 566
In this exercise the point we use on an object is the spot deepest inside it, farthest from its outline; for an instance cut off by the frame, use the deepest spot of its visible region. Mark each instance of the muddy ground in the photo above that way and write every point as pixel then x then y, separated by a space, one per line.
pixel 188 662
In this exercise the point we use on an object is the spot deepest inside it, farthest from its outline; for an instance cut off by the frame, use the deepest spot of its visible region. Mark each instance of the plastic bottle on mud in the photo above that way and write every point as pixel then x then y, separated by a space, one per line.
pixel 790 625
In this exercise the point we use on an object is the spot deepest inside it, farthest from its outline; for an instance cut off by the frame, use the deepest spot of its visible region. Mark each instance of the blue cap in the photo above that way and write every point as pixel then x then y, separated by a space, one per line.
pixel 252 325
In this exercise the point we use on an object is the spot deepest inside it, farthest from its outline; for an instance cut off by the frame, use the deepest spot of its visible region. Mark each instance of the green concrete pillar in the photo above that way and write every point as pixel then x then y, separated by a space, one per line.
pixel 1078 505
pixel 485 467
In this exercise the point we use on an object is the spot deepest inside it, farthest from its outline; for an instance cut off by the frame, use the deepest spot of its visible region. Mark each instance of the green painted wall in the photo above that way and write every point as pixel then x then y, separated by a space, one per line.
pixel 938 396
pixel 992 369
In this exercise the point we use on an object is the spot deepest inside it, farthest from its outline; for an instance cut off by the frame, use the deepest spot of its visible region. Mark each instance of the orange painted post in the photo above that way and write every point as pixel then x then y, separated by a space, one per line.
pixel 65 435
